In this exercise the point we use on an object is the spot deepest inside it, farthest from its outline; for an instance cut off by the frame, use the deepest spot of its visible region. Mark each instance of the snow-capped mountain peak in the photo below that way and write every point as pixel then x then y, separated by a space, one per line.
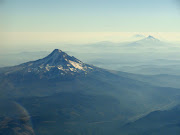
pixel 55 64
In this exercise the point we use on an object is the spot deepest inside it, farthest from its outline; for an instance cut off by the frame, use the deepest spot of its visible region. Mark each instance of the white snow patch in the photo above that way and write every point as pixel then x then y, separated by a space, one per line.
pixel 90 67
pixel 72 69
pixel 60 68
pixel 41 66
pixel 76 65
pixel 47 68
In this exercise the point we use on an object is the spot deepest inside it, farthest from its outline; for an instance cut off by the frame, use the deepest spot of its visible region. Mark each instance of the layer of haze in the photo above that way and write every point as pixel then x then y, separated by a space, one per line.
pixel 33 41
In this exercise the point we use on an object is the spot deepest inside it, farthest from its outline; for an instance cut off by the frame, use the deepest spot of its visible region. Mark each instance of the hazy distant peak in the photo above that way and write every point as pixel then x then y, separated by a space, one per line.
pixel 152 38
pixel 149 39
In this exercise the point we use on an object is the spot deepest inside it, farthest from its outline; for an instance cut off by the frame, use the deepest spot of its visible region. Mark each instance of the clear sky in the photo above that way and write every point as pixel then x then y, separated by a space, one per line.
pixel 90 15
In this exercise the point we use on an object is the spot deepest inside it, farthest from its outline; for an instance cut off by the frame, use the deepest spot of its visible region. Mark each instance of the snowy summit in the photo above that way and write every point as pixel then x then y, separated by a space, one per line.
pixel 151 38
pixel 55 64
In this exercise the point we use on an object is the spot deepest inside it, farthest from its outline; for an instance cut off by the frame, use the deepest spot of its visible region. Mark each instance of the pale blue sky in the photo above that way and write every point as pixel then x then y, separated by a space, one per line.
pixel 90 16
